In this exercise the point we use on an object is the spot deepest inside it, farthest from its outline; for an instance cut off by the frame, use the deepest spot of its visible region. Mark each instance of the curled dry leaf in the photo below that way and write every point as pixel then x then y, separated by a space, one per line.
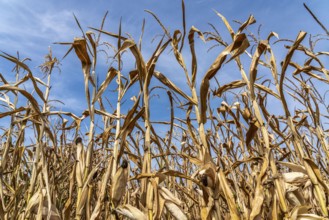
pixel 172 203
pixel 175 211
pixel 33 204
pixel 295 177
pixel 234 214
pixel 131 212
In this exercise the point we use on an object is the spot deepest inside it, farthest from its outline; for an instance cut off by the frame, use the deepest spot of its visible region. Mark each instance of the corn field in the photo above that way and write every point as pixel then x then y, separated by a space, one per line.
pixel 226 152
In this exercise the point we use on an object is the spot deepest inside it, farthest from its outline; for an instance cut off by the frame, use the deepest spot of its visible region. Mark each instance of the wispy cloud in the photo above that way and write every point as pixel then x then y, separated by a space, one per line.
pixel 30 31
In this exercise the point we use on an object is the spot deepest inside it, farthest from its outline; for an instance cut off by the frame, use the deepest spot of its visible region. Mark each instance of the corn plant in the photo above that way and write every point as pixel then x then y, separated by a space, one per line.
pixel 236 158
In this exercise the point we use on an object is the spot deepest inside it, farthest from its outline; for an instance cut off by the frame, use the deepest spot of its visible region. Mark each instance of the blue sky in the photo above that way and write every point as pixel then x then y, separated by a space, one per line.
pixel 31 26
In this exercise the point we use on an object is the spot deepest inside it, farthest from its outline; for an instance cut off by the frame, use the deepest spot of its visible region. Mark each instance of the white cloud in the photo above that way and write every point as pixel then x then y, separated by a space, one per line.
pixel 29 31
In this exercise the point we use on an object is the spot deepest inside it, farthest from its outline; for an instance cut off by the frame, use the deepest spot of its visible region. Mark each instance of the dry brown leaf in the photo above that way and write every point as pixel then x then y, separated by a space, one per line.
pixel 228 196
pixel 109 77
pixel 239 45
pixel 172 86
